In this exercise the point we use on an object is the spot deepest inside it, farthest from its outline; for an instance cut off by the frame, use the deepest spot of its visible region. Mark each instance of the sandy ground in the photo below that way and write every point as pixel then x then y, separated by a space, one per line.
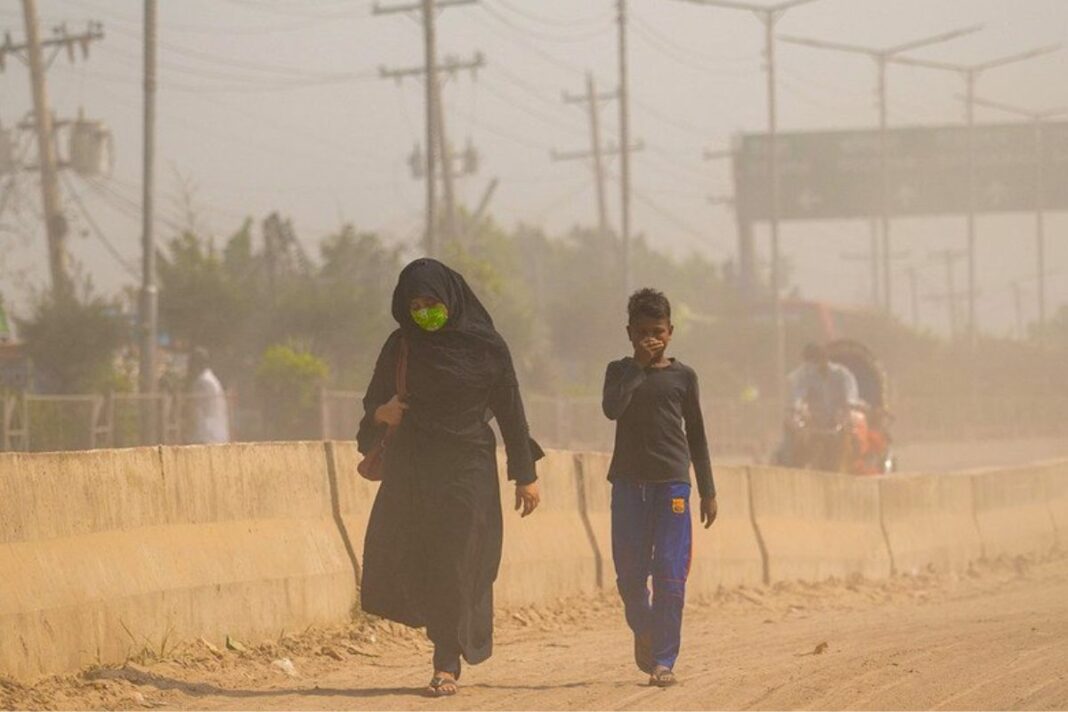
pixel 996 638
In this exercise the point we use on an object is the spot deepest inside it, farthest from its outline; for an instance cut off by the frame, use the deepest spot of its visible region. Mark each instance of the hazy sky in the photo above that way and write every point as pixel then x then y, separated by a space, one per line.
pixel 276 105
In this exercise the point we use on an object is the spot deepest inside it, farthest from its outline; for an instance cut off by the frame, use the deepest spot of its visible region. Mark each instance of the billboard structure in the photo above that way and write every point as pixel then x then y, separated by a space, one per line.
pixel 826 175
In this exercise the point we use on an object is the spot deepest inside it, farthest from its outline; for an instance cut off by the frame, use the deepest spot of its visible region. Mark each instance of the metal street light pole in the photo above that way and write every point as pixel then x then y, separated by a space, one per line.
pixel 970 73
pixel 769 15
pixel 1038 119
pixel 882 55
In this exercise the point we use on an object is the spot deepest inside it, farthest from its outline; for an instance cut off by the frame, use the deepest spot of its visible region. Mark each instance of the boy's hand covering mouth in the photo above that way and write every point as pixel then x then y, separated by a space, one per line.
pixel 648 351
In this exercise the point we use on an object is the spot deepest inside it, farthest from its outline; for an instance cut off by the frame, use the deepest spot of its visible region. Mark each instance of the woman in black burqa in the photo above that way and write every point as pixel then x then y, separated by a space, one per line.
pixel 433 542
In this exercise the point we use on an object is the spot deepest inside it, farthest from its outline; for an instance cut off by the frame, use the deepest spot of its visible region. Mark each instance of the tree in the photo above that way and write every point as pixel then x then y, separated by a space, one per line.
pixel 343 310
pixel 208 297
pixel 288 380
pixel 73 341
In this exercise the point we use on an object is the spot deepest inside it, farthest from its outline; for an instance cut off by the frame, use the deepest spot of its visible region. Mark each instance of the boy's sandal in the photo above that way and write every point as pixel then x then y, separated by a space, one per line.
pixel 662 677
pixel 442 686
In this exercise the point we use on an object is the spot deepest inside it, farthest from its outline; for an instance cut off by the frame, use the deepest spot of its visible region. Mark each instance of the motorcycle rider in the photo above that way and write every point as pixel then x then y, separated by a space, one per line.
pixel 822 393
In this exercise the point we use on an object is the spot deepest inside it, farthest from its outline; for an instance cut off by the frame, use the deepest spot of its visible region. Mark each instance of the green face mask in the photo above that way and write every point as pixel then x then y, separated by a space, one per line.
pixel 432 318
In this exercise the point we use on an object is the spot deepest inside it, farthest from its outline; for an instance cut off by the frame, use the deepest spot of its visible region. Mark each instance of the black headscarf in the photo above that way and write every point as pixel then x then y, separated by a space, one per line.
pixel 467 351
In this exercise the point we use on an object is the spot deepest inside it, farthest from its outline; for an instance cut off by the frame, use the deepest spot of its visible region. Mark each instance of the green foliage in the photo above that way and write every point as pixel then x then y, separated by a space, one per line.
pixel 288 381
pixel 73 341
pixel 342 311
pixel 238 300
pixel 491 261
pixel 207 298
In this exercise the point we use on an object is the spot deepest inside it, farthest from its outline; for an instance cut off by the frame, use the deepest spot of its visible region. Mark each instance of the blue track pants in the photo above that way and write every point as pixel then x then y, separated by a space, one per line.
pixel 652 535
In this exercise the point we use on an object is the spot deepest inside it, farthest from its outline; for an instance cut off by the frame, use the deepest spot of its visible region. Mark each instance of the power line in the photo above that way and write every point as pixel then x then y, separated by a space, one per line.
pixel 97 232
pixel 295 76
pixel 545 36
pixel 683 56
pixel 687 229
pixel 286 12
pixel 107 11
pixel 602 18
pixel 521 38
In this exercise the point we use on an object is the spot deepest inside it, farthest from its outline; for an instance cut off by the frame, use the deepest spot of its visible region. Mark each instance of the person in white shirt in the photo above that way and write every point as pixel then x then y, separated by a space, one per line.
pixel 208 409
pixel 822 392
pixel 824 389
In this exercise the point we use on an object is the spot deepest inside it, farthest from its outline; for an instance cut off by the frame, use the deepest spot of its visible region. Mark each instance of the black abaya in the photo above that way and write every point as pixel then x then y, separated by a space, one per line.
pixel 433 544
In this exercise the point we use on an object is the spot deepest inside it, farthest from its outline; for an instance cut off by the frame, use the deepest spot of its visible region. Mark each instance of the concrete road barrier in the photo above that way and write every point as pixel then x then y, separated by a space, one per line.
pixel 107 553
pixel 1057 488
pixel 117 551
pixel 547 555
pixel 356 495
pixel 929 522
pixel 596 503
pixel 729 553
pixel 818 525
pixel 1012 509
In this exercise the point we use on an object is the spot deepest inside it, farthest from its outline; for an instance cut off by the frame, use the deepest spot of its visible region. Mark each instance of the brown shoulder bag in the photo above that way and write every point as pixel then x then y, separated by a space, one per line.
pixel 373 465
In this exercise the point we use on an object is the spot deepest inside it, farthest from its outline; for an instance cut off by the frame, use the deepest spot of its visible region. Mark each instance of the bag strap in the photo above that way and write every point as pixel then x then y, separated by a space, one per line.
pixel 402 369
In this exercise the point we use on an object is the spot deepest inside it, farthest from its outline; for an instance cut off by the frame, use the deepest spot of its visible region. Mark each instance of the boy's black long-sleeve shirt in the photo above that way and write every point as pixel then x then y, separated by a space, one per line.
pixel 659 426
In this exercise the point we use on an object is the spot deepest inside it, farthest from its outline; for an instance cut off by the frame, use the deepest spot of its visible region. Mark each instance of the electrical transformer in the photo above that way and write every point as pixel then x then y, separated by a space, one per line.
pixel 90 148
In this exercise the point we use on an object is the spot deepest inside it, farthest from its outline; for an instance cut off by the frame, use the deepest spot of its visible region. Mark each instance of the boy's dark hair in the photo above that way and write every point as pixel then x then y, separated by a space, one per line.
pixel 648 303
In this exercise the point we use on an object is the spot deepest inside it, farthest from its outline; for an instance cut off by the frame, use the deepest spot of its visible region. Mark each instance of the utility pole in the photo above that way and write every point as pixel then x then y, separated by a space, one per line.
pixel 971 73
pixel 55 221
pixel 593 101
pixel 436 139
pixel 624 142
pixel 914 297
pixel 445 158
pixel 882 56
pixel 149 293
pixel 1017 300
pixel 32 53
pixel 770 15
pixel 610 149
pixel 430 63
pixel 1038 120
pixel 871 258
pixel 950 259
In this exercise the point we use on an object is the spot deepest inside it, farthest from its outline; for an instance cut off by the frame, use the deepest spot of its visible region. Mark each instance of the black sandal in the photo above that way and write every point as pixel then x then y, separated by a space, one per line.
pixel 442 686
pixel 662 677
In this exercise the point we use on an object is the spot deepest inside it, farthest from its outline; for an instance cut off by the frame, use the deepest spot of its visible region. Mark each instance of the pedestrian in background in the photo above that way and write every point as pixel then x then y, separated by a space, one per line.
pixel 209 413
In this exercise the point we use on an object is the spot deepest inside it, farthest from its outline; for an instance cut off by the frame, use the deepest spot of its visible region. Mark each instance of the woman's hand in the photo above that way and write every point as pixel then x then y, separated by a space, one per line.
pixel 391 413
pixel 527 498
pixel 709 510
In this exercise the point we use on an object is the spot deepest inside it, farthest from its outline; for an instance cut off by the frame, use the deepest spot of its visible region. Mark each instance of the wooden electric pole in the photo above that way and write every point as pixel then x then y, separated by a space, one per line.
pixel 32 52
pixel 55 221
pixel 438 149
pixel 593 102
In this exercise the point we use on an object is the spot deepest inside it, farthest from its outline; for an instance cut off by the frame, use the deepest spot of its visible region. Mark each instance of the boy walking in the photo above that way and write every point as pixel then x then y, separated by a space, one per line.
pixel 659 433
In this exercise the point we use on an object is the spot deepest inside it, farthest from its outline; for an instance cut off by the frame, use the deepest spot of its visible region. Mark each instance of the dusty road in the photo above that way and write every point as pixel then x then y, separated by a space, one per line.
pixel 994 640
